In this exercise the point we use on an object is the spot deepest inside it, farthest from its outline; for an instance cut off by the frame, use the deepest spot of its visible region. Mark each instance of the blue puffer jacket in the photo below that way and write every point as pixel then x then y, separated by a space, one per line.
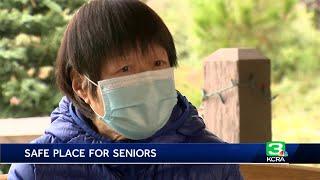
pixel 69 126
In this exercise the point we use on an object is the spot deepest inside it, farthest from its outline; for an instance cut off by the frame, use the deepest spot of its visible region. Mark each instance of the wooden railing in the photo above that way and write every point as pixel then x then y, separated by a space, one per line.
pixel 271 172
pixel 3 176
pixel 237 103
pixel 279 172
pixel 22 130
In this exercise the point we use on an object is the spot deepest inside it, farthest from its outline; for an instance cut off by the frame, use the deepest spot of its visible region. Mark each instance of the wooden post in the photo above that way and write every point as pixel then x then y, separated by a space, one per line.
pixel 238 105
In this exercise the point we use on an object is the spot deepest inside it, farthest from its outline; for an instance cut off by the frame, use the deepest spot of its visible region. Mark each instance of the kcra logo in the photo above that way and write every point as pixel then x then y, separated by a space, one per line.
pixel 276 151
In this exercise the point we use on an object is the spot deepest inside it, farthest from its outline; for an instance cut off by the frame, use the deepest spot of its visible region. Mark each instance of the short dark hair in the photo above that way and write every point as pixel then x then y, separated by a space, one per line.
pixel 104 29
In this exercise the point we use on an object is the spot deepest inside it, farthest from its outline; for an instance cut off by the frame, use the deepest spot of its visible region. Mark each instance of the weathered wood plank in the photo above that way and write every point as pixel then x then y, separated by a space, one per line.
pixel 17 139
pixel 267 172
pixel 279 172
pixel 244 113
pixel 22 130
pixel 3 177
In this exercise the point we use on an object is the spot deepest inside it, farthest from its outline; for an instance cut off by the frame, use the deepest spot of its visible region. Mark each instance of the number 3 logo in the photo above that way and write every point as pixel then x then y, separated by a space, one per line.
pixel 274 148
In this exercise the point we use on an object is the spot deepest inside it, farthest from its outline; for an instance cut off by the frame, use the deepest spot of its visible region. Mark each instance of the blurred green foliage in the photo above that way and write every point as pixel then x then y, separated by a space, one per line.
pixel 30 32
pixel 4 168
pixel 282 30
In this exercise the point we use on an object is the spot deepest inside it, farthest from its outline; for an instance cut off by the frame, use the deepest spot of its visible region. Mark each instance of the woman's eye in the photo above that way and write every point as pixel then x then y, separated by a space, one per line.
pixel 125 69
pixel 158 63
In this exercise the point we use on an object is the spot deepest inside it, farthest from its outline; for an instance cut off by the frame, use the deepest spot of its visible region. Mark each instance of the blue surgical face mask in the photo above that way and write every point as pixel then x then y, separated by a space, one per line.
pixel 138 105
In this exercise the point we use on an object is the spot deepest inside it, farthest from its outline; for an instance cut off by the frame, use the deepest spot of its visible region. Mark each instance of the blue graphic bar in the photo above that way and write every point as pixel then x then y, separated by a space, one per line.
pixel 273 152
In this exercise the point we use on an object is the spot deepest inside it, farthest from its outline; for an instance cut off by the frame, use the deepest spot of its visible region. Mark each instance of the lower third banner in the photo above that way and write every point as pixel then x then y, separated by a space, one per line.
pixel 206 153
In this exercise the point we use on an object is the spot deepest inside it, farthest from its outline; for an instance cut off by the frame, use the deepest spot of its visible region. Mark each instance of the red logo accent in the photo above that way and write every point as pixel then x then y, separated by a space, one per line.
pixel 281 153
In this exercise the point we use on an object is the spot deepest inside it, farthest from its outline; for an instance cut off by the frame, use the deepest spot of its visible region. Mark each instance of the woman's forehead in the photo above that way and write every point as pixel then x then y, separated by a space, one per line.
pixel 137 55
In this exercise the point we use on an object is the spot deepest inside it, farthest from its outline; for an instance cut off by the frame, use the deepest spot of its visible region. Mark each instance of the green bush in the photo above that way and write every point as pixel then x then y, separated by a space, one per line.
pixel 4 168
pixel 30 34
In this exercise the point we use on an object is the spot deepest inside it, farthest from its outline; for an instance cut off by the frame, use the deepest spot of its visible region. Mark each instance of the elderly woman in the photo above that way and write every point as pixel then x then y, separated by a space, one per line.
pixel 115 68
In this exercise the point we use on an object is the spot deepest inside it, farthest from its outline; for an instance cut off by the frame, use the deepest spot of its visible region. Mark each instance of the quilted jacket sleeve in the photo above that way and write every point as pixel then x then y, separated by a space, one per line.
pixel 27 171
pixel 21 172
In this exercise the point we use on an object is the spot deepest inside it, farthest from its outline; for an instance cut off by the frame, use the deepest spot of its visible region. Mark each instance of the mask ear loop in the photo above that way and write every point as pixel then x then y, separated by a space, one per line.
pixel 101 117
pixel 91 81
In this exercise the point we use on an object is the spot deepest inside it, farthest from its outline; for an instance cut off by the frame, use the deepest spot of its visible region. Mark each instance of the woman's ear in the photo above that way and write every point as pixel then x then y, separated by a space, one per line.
pixel 79 87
